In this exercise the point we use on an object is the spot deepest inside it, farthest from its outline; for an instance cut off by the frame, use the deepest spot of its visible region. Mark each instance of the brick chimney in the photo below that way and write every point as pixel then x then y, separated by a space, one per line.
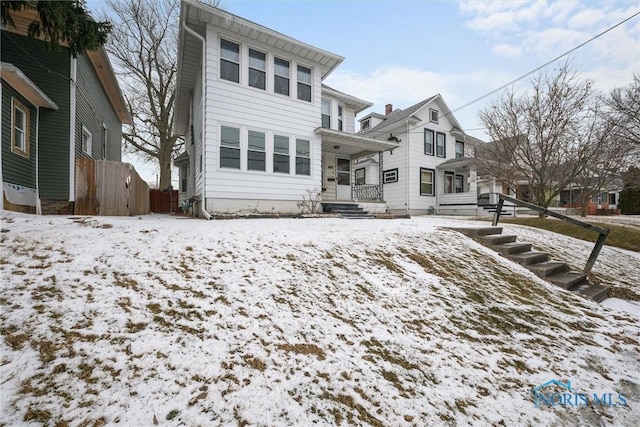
pixel 388 109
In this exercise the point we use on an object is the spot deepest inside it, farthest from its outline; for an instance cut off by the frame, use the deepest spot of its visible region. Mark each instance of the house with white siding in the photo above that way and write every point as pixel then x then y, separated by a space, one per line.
pixel 261 129
pixel 431 170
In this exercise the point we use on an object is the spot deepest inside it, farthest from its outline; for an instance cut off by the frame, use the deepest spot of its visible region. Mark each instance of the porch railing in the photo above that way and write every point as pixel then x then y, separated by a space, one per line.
pixel 604 232
pixel 367 192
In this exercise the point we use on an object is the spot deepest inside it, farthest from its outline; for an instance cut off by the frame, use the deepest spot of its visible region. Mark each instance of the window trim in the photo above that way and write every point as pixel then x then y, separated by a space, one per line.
pixel 263 151
pixel 340 117
pixel 26 132
pixel 238 148
pixel 287 77
pixel 433 141
pixel 288 155
pixel 323 115
pixel 455 189
pixel 385 176
pixel 452 175
pixel 433 181
pixel 89 148
pixel 444 145
pixel 364 176
pixel 230 61
pixel 310 84
pixel 433 111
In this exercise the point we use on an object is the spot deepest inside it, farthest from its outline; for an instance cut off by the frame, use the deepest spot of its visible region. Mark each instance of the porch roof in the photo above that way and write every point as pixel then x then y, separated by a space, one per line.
pixel 16 78
pixel 351 144
pixel 456 164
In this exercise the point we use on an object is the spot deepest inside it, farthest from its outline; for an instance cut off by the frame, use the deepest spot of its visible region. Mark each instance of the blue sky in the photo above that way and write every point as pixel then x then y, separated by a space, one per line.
pixel 402 52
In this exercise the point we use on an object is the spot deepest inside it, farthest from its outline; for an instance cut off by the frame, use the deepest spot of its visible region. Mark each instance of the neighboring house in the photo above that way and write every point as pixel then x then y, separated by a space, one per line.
pixel 55 108
pixel 430 171
pixel 261 129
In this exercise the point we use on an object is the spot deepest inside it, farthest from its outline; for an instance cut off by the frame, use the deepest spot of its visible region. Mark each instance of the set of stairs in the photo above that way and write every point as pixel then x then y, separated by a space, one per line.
pixel 538 262
pixel 346 210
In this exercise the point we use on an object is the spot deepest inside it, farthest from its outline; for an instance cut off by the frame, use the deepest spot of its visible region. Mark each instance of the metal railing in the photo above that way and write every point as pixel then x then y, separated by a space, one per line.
pixel 367 192
pixel 604 232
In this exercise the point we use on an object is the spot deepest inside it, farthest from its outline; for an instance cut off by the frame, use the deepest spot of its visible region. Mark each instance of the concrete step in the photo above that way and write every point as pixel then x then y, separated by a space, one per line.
pixel 366 216
pixel 496 239
pixel 548 268
pixel 568 279
pixel 477 231
pixel 529 257
pixel 511 248
pixel 592 291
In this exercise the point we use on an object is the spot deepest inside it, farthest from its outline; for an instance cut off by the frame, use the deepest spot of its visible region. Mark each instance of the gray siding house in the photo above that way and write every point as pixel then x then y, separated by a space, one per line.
pixel 55 108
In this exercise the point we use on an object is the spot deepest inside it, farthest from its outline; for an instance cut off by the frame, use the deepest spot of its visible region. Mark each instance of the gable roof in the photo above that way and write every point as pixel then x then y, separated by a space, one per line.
pixel 23 84
pixel 357 103
pixel 399 115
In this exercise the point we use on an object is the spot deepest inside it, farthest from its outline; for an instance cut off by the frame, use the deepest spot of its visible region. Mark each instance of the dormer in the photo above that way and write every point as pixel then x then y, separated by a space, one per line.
pixel 370 121
pixel 338 109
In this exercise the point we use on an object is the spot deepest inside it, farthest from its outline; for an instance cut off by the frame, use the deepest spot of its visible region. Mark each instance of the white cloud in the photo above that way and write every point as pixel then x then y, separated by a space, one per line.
pixel 587 19
pixel 507 51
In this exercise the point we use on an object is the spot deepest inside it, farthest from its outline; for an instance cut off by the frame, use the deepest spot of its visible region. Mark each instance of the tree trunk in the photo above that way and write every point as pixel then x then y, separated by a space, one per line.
pixel 165 171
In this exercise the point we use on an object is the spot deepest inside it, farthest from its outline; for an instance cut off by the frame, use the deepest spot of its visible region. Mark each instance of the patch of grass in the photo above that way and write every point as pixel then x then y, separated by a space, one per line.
pixel 621 237
pixel 307 349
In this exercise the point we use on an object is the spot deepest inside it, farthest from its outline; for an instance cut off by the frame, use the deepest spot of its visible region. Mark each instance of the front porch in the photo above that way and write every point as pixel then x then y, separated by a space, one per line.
pixel 458 195
pixel 352 167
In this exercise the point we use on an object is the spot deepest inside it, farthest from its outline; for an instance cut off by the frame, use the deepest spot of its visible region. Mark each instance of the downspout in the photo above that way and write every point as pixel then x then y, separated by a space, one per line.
pixel 38 204
pixel 408 144
pixel 72 131
pixel 204 116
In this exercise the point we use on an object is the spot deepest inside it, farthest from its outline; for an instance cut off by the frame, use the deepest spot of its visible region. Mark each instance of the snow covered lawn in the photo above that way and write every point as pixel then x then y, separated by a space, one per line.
pixel 167 321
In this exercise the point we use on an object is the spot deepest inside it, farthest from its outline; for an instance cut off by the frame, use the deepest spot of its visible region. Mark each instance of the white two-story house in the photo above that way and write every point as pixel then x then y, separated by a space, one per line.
pixel 261 129
pixel 431 171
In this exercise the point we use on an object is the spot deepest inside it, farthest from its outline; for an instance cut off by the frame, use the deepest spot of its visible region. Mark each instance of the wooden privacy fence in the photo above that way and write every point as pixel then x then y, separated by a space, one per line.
pixel 164 201
pixel 109 189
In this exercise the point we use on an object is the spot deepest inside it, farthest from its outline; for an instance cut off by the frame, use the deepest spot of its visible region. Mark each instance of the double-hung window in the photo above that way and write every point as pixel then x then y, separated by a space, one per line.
pixel 304 83
pixel 229 61
pixel 340 117
pixel 230 148
pixel 326 114
pixel 281 76
pixel 459 184
pixel 360 175
pixel 257 69
pixel 21 118
pixel 87 140
pixel 427 178
pixel 428 141
pixel 256 155
pixel 281 154
pixel 441 144
pixel 303 157
pixel 433 115
pixel 448 182
pixel 459 149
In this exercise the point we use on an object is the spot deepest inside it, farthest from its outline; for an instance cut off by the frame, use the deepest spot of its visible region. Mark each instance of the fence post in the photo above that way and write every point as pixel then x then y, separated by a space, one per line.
pixel 595 252
pixel 496 215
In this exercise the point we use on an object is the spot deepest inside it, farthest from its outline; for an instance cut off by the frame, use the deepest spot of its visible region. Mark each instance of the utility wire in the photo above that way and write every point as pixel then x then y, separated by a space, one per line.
pixel 546 63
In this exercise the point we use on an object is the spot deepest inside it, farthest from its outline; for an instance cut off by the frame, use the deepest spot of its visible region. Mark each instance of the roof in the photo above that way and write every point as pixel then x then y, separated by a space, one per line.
pixel 195 15
pixel 398 115
pixel 357 103
pixel 458 162
pixel 183 157
pixel 98 59
pixel 20 82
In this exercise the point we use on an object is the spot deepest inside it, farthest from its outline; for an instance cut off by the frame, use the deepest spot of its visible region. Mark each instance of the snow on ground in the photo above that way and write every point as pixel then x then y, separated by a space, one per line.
pixel 160 320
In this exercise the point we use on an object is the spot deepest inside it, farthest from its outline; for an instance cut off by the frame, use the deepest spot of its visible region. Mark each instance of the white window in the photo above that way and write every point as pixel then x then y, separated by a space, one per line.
pixel 459 149
pixel 360 176
pixel 281 76
pixel 326 114
pixel 256 156
pixel 390 176
pixel 230 148
pixel 304 83
pixel 426 181
pixel 281 154
pixel 87 140
pixel 340 117
pixel 303 157
pixel 428 141
pixel 20 120
pixel 441 144
pixel 229 61
pixel 433 115
pixel 257 69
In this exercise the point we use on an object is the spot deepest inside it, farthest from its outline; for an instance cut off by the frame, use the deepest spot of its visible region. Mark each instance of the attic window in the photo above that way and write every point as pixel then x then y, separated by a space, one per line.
pixel 433 115
pixel 365 124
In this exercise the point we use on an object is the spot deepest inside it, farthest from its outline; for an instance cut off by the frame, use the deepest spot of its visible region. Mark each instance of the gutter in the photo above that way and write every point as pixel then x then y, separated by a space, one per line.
pixel 38 203
pixel 206 214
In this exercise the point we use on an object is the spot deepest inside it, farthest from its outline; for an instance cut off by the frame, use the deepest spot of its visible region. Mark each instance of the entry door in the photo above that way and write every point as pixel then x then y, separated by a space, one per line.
pixel 343 166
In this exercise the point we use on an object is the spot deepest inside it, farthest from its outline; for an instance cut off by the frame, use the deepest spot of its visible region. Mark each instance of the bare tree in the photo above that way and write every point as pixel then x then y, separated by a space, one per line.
pixel 624 114
pixel 143 43
pixel 545 137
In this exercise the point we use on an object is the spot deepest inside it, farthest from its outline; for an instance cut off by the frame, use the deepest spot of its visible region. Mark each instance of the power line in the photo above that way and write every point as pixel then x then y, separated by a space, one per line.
pixel 546 63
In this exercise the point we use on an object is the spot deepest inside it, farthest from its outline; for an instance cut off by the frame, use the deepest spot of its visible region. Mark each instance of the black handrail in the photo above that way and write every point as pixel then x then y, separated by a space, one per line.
pixel 604 232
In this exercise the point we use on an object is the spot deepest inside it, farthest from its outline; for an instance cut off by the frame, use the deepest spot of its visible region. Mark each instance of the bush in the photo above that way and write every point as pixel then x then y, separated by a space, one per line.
pixel 630 201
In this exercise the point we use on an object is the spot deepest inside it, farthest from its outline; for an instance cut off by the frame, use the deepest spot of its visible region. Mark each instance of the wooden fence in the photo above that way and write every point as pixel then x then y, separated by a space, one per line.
pixel 163 201
pixel 109 189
